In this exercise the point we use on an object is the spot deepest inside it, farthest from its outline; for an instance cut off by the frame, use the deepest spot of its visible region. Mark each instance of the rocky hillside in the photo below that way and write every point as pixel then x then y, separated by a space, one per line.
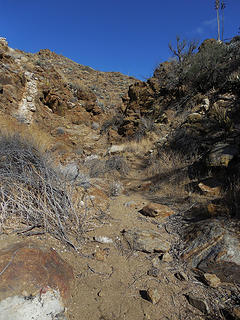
pixel 61 97
pixel 120 198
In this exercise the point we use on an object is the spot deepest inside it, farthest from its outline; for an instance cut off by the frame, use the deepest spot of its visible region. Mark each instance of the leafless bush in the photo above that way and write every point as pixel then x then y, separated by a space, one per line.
pixel 184 48
pixel 33 192
pixel 97 168
pixel 117 163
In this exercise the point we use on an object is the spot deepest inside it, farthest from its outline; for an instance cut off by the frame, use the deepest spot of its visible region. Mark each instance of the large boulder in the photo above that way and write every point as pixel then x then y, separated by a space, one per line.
pixel 34 282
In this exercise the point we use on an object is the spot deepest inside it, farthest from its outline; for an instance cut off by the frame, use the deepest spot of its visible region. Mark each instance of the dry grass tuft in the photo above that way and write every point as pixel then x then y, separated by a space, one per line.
pixel 169 173
pixel 10 127
pixel 141 146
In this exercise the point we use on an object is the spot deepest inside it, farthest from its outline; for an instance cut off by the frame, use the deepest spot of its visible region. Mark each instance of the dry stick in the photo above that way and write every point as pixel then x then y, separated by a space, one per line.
pixel 5 268
pixel 27 229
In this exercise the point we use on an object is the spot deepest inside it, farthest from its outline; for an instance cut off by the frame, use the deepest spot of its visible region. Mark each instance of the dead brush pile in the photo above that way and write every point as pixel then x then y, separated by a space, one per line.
pixel 33 193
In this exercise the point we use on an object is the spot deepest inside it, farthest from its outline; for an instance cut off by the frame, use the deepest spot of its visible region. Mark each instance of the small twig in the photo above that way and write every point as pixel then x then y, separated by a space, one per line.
pixel 19 231
pixel 100 273
pixel 35 233
pixel 5 268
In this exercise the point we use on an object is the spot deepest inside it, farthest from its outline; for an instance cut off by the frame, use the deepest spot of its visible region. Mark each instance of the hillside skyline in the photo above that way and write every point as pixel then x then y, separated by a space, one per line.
pixel 131 38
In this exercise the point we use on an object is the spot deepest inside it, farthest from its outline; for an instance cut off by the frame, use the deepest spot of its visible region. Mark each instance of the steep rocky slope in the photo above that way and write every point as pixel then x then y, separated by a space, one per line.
pixel 119 198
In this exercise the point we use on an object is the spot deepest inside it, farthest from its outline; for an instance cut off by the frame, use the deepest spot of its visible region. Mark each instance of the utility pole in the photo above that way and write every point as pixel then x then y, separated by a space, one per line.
pixel 217 6
pixel 223 6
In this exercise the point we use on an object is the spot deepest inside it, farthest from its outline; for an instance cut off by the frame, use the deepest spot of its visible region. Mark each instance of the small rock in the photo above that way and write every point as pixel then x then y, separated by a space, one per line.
pixel 101 254
pixel 212 280
pixel 153 272
pixel 180 276
pixel 167 257
pixel 194 117
pixel 29 99
pixel 198 303
pixel 102 239
pixel 210 187
pixel 153 295
pixel 130 204
pixel 156 209
pixel 32 107
pixel 147 241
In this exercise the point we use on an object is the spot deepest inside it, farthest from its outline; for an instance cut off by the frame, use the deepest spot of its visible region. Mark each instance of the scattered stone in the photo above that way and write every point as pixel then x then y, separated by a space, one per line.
pixel 212 280
pixel 116 149
pixel 153 272
pixel 194 117
pixel 147 241
pixel 167 257
pixel 198 303
pixel 130 204
pixel 32 107
pixel 153 295
pixel 211 187
pixel 101 254
pixel 155 210
pixel 29 99
pixel 102 239
pixel 180 276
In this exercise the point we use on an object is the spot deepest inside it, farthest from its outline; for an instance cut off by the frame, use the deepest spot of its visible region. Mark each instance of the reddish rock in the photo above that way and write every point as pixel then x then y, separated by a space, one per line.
pixel 26 267
pixel 211 187
pixel 156 209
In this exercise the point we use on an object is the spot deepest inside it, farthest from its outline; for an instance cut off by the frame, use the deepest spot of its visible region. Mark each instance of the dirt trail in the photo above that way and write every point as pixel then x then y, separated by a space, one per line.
pixel 112 280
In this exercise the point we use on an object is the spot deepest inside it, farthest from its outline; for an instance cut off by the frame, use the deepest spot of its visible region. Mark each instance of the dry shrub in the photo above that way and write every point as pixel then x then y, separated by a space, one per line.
pixel 169 173
pixel 221 117
pixel 117 163
pixel 34 192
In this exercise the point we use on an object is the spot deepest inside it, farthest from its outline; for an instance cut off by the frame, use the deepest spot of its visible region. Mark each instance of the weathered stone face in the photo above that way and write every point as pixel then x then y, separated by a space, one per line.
pixel 147 241
pixel 26 267
pixel 214 248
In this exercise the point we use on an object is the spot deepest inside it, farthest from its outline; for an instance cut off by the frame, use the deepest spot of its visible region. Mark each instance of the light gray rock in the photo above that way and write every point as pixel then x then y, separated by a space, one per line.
pixel 29 99
pixel 70 171
pixel 147 241
pixel 47 306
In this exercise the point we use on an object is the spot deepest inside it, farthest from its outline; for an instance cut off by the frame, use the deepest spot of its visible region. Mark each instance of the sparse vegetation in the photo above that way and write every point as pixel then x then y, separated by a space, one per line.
pixel 33 192
pixel 201 71
pixel 169 173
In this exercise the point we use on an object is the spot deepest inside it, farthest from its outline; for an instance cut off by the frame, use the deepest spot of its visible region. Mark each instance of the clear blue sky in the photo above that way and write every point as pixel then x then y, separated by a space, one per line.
pixel 130 36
